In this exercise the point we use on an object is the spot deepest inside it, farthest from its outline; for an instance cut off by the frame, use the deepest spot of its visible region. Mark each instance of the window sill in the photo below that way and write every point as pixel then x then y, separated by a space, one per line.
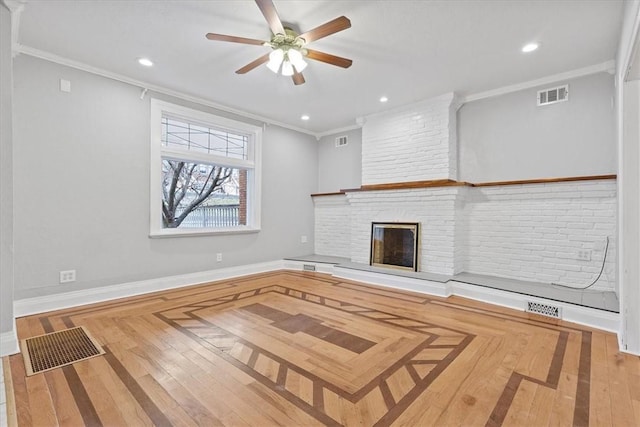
pixel 193 232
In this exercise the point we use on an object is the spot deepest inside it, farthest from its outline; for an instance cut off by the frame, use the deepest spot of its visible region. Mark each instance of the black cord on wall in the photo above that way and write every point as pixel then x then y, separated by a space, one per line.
pixel 604 260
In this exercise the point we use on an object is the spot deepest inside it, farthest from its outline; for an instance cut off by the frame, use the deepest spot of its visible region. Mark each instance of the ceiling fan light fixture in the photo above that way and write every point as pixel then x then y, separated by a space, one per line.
pixel 275 59
pixel 287 69
pixel 295 57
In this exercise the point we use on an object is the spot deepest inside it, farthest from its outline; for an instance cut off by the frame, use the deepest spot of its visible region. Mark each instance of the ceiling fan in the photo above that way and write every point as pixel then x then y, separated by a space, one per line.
pixel 289 48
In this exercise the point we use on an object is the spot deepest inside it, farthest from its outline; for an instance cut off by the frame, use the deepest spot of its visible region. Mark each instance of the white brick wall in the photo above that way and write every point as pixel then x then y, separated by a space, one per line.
pixel 534 232
pixel 414 143
pixel 527 232
pixel 461 237
pixel 434 209
pixel 332 226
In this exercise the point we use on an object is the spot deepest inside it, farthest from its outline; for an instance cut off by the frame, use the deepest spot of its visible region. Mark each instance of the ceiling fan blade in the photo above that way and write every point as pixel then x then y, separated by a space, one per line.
pixel 250 66
pixel 234 39
pixel 298 78
pixel 326 29
pixel 329 59
pixel 271 15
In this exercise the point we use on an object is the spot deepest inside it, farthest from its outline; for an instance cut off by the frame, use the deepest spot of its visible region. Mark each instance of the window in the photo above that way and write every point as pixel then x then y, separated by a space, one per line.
pixel 205 173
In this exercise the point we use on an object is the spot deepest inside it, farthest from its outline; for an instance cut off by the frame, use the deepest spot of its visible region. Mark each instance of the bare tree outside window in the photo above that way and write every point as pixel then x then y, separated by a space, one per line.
pixel 205 168
pixel 187 186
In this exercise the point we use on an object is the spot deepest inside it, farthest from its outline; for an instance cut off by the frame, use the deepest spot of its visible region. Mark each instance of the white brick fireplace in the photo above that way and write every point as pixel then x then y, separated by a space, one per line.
pixel 532 231
pixel 434 209
pixel 415 143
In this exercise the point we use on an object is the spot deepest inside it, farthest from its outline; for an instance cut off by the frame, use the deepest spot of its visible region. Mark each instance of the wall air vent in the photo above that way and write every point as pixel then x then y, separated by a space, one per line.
pixel 544 309
pixel 341 141
pixel 553 95
pixel 308 267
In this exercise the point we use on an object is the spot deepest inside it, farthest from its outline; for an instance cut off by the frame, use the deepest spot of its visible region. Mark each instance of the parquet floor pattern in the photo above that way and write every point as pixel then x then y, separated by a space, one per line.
pixel 304 349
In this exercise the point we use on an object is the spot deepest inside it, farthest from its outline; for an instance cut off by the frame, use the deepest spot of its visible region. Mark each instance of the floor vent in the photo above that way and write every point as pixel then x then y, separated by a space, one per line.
pixel 544 309
pixel 57 349
pixel 309 267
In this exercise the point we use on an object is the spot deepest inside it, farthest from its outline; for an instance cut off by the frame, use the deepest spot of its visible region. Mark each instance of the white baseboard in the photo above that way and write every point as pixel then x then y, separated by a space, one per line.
pixel 398 282
pixel 591 317
pixel 320 267
pixel 28 306
pixel 9 342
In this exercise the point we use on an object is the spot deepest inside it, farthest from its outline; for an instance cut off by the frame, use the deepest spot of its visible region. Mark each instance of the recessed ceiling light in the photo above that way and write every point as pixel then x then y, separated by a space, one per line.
pixel 304 117
pixel 530 47
pixel 383 99
pixel 145 61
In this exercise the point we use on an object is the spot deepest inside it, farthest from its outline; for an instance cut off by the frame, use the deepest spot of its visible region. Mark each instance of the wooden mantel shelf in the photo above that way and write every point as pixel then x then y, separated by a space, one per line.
pixel 336 193
pixel 451 183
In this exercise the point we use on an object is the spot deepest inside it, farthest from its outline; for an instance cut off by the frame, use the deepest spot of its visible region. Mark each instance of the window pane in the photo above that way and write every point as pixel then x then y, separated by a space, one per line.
pixel 197 195
pixel 181 135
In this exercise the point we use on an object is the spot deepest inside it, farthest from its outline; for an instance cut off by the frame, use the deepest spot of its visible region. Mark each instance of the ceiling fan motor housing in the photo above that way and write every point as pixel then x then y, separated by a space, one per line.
pixel 287 41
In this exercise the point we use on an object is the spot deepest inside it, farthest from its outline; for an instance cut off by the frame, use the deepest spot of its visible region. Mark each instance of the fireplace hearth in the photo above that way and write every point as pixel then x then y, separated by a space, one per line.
pixel 394 245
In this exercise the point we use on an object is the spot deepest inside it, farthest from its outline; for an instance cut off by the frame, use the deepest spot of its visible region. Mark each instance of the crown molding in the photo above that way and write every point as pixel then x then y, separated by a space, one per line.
pixel 450 97
pixel 338 130
pixel 15 7
pixel 47 56
pixel 629 47
pixel 608 66
pixel 457 101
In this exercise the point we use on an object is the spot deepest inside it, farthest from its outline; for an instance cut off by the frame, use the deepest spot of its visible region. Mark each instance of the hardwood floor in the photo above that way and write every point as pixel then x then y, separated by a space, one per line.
pixel 305 349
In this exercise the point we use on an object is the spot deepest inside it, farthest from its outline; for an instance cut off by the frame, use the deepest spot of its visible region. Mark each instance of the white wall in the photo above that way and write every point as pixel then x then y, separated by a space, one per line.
pixel 630 228
pixel 81 185
pixel 628 112
pixel 339 167
pixel 508 137
pixel 6 185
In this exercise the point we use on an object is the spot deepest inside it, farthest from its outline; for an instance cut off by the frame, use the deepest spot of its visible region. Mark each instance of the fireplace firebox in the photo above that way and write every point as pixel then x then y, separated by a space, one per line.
pixel 395 245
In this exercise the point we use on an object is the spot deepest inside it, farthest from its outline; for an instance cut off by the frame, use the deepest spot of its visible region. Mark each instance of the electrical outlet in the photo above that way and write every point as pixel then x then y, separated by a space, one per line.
pixel 219 257
pixel 584 255
pixel 67 276
pixel 303 239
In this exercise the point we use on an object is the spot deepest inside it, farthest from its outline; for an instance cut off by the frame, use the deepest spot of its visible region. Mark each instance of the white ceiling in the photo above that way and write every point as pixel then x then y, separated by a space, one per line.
pixel 406 50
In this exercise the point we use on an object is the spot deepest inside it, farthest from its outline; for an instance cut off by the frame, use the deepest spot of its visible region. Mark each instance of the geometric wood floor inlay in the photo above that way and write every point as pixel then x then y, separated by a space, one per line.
pixel 405 355
pixel 307 349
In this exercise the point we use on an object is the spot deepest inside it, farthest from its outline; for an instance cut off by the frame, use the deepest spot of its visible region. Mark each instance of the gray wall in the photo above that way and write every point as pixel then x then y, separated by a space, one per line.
pixel 508 137
pixel 340 167
pixel 6 170
pixel 82 188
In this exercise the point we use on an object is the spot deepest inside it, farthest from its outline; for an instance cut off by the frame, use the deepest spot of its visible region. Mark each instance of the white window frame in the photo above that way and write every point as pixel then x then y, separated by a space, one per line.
pixel 158 152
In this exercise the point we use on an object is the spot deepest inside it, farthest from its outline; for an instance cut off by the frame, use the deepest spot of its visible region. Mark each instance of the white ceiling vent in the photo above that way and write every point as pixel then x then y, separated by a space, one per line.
pixel 553 95
pixel 341 141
